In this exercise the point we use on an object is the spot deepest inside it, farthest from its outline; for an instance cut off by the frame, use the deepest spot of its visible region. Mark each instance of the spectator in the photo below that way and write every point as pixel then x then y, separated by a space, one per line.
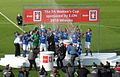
pixel 61 52
pixel 101 65
pixel 69 70
pixel 94 64
pixel 19 19
pixel 23 72
pixel 7 72
pixel 87 42
pixel 104 71
pixel 54 72
pixel 117 63
pixel 109 72
pixel 31 58
pixel 42 72
pixel 82 71
pixel 94 72
pixel 107 65
pixel 117 70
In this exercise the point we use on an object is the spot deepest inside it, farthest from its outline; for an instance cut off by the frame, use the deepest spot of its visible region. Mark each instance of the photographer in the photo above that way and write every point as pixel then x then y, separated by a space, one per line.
pixel 19 19
pixel 61 55
pixel 31 58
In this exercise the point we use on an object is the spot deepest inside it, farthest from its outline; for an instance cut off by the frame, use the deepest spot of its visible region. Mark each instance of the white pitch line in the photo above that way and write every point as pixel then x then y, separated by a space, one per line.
pixel 11 21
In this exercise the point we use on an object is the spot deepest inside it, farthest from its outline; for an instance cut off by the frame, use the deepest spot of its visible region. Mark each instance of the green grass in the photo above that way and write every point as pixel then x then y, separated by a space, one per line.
pixel 6 36
pixel 109 24
pixel 35 73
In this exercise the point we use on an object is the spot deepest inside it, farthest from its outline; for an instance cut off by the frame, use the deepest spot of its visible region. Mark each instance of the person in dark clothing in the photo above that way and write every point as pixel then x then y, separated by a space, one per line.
pixel 94 72
pixel 105 72
pixel 55 72
pixel 94 64
pixel 82 71
pixel 19 19
pixel 12 74
pixel 61 55
pixel 107 65
pixel 101 65
pixel 108 69
pixel 50 39
pixel 68 70
pixel 42 72
pixel 51 43
pixel 109 72
pixel 31 58
pixel 7 72
pixel 23 72
pixel 36 52
pixel 56 49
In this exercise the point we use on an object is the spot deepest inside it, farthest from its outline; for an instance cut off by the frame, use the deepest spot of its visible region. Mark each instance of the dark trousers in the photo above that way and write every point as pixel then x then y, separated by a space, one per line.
pixel 19 23
pixel 17 49
pixel 73 59
pixel 32 62
pixel 88 51
pixel 51 47
pixel 59 61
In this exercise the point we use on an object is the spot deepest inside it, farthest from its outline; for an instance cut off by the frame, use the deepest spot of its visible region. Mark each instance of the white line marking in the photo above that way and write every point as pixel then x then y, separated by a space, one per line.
pixel 11 21
pixel 112 27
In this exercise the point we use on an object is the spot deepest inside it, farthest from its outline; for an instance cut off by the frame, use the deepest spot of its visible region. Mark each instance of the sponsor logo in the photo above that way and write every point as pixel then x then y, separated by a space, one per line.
pixel 37 15
pixel 92 15
pixel 45 59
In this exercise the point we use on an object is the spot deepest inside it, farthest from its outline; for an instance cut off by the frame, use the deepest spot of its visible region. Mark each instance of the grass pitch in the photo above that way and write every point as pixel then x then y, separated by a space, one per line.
pixel 109 24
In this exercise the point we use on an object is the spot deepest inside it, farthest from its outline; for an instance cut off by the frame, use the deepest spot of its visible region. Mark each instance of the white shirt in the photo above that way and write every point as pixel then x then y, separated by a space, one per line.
pixel 17 40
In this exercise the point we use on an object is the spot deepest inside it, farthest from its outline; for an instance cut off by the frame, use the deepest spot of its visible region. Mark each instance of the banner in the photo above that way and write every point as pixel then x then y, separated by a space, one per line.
pixel 32 16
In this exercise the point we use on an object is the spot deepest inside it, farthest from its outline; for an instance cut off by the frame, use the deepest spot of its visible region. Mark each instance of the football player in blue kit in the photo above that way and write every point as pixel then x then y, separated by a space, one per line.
pixel 88 35
pixel 43 41
pixel 65 35
pixel 56 38
pixel 25 43
pixel 60 33
pixel 74 38
pixel 29 46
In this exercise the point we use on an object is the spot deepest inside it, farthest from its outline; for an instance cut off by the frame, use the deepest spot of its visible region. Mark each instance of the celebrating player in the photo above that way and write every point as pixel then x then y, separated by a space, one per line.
pixel 87 41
